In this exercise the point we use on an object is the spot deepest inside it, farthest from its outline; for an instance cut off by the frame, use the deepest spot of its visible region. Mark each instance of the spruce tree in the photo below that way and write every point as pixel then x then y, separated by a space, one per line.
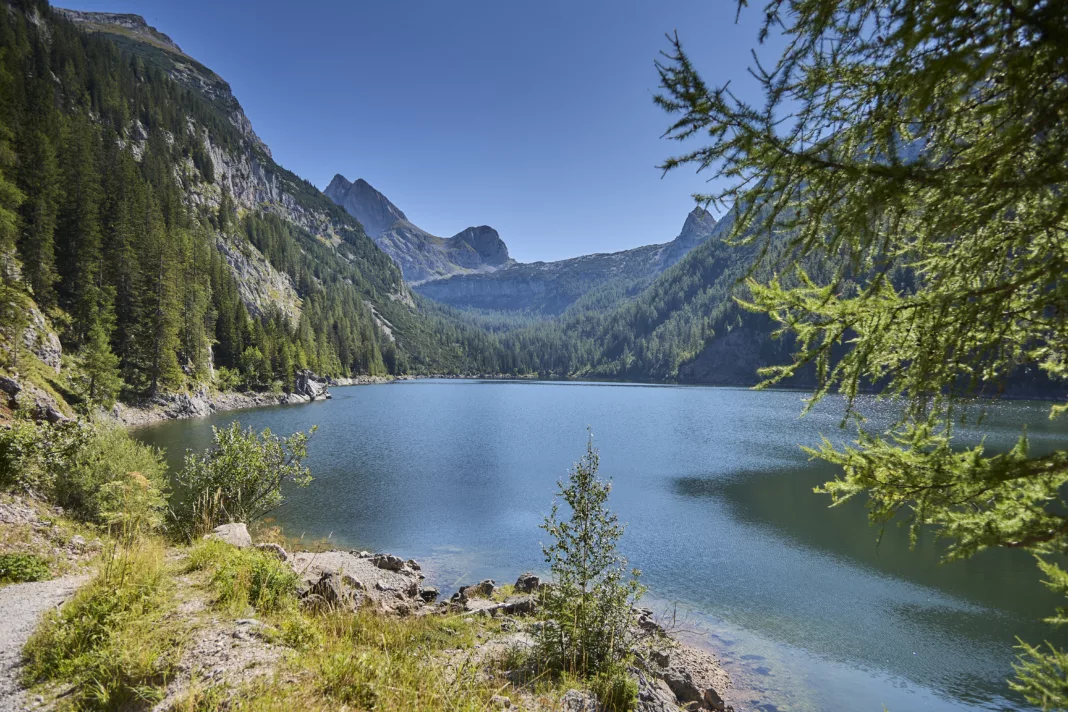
pixel 39 179
pixel 908 163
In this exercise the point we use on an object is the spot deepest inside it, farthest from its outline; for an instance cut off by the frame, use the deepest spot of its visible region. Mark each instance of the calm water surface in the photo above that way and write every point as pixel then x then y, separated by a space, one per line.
pixel 807 611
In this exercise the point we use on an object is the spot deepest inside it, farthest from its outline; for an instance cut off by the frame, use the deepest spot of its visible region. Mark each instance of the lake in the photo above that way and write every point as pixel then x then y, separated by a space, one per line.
pixel 808 610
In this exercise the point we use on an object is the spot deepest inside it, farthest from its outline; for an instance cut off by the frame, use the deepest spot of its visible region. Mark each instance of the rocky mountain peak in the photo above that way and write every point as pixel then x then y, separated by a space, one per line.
pixel 698 226
pixel 486 242
pixel 360 200
pixel 135 24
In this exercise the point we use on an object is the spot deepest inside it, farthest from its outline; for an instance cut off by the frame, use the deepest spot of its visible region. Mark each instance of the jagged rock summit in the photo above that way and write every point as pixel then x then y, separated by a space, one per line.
pixel 421 256
pixel 360 200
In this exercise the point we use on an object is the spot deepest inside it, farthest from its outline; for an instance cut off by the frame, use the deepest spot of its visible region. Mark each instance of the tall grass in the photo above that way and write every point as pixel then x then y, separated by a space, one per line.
pixel 112 643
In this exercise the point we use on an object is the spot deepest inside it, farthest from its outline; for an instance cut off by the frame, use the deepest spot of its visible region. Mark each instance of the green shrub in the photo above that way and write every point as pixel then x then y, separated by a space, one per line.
pixel 246 577
pixel 73 463
pixel 239 478
pixel 112 644
pixel 17 568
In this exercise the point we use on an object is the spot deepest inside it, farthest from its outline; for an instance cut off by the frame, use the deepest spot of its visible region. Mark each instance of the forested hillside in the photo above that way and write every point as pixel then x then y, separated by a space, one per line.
pixel 146 224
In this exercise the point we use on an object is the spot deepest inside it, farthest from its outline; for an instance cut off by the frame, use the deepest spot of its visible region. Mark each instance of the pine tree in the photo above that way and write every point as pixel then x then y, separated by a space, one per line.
pixel 909 160
pixel 99 366
pixel 39 179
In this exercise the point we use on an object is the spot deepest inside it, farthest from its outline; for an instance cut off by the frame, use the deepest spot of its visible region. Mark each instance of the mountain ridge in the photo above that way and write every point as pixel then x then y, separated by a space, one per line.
pixel 420 255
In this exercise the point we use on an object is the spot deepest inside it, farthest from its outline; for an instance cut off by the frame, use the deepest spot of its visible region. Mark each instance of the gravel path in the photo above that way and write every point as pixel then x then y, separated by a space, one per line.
pixel 21 608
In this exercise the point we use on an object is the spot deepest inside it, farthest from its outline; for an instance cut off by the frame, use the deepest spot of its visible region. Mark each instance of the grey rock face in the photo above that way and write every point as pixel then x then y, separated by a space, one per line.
pixel 420 255
pixel 527 583
pixel 307 384
pixel 234 534
pixel 363 202
pixel 41 341
pixel 389 562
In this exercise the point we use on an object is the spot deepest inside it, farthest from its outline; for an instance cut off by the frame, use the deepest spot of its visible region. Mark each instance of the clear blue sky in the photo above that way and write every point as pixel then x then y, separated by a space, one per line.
pixel 533 117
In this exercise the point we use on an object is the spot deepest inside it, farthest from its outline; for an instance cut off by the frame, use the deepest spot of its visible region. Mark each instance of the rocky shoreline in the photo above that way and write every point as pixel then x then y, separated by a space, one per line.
pixel 671 674
pixel 202 403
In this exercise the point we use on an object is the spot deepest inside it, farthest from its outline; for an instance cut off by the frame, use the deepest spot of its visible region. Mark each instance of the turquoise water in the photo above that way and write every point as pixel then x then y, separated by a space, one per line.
pixel 807 611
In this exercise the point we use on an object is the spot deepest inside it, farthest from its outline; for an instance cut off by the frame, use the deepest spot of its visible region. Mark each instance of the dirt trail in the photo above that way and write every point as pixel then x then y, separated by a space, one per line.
pixel 21 608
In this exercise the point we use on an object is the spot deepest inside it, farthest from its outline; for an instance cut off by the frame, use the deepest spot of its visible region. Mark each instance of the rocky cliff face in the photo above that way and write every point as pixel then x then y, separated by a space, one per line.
pixel 549 288
pixel 247 172
pixel 421 256
pixel 126 29
pixel 363 202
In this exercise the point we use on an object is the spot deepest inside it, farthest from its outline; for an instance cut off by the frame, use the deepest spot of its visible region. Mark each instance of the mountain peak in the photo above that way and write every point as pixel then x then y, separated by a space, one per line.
pixel 134 24
pixel 360 200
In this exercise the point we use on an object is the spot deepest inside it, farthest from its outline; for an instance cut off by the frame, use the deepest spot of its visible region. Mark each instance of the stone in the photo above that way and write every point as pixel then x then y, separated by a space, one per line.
pixel 235 534
pixel 414 565
pixel 501 701
pixel 77 541
pixel 682 685
pixel 527 583
pixel 661 657
pixel 578 701
pixel 486 588
pixel 352 582
pixel 275 549
pixel 428 593
pixel 10 386
pixel 519 605
pixel 389 562
pixel 653 693
pixel 332 590
pixel 713 700
pixel 309 385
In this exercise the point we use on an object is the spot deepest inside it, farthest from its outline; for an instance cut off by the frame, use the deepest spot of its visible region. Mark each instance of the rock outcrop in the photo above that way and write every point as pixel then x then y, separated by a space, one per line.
pixel 235 534
pixel 420 255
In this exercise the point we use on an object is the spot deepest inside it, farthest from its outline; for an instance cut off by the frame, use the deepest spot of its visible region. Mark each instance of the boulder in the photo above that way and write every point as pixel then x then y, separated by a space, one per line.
pixel 10 386
pixel 307 384
pixel 389 562
pixel 485 588
pixel 235 534
pixel 414 565
pixel 275 549
pixel 527 583
pixel 682 685
pixel 428 594
pixel 578 701
pixel 333 591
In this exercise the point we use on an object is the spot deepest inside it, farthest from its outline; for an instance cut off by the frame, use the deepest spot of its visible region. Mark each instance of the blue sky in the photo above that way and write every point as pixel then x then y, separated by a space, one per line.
pixel 533 117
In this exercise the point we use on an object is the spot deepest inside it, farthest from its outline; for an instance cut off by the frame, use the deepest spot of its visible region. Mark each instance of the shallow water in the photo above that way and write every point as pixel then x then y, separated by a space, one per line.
pixel 807 610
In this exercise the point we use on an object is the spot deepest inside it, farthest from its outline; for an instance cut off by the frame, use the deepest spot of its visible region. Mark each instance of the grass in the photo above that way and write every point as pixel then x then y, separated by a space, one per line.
pixel 116 646
pixel 243 578
pixel 112 644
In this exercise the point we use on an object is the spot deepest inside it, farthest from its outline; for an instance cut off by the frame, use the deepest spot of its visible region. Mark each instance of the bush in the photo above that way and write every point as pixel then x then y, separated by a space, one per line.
pixel 588 608
pixel 246 577
pixel 18 568
pixel 615 689
pixel 239 478
pixel 76 465
pixel 111 644
pixel 228 379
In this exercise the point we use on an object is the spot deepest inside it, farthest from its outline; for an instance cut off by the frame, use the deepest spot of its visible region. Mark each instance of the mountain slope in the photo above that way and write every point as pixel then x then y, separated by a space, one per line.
pixel 420 255
pixel 549 288
pixel 144 221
